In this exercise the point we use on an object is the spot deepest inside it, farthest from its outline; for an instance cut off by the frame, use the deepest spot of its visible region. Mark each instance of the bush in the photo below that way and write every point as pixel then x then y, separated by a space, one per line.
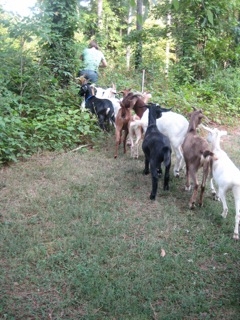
pixel 51 124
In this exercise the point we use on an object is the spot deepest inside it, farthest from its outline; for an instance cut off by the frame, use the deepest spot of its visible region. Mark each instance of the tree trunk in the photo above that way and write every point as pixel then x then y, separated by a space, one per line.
pixel 138 54
pixel 168 44
pixel 128 53
pixel 99 13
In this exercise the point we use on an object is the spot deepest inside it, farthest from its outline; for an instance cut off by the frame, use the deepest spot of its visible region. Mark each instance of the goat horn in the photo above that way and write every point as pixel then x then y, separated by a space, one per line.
pixel 206 128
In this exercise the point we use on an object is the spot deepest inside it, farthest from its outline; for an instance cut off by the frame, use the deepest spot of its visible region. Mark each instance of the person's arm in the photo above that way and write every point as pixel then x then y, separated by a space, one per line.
pixel 103 63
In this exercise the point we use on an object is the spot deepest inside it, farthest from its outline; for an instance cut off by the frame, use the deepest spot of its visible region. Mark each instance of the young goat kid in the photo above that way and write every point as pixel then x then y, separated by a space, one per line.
pixel 122 123
pixel 226 175
pixel 197 154
pixel 157 149
pixel 103 108
pixel 135 131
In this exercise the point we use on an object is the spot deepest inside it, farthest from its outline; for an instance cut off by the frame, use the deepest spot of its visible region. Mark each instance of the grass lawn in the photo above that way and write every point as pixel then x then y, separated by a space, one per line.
pixel 80 239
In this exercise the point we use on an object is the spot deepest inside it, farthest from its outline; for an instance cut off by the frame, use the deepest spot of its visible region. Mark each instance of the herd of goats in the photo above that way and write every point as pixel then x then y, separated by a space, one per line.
pixel 163 131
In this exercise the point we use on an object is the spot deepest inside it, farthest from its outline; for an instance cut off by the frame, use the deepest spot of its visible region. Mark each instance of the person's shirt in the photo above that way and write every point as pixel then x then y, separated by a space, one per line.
pixel 92 58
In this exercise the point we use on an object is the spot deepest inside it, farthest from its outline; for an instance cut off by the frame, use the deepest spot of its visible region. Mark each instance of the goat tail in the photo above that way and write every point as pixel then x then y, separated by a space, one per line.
pixel 208 156
pixel 167 156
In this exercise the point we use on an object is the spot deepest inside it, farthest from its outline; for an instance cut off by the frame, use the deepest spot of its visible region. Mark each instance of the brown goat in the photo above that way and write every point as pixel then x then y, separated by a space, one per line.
pixel 122 121
pixel 140 103
pixel 197 154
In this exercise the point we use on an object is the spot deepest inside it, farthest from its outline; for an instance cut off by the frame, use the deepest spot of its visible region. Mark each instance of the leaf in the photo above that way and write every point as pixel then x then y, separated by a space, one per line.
pixel 163 253
pixel 176 4
pixel 210 16
pixel 132 3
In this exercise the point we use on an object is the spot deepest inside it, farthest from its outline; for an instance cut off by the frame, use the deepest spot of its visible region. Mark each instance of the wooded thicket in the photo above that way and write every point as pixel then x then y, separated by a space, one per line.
pixel 189 50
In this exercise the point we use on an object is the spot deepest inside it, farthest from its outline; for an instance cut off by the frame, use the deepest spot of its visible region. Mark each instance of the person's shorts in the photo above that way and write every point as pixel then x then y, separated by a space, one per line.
pixel 90 75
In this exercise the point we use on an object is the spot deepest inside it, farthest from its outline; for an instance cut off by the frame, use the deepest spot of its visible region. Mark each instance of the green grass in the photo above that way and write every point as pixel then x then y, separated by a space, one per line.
pixel 80 239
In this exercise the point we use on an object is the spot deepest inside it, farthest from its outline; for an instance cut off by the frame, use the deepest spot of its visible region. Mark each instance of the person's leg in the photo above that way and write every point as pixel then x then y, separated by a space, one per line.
pixel 90 75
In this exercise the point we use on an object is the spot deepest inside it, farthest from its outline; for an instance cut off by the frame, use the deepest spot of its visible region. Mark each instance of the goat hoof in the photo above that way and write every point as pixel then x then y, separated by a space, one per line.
pixel 176 174
pixel 159 171
pixel 192 206
pixel 235 236
pixel 146 172
pixel 115 157
pixel 152 197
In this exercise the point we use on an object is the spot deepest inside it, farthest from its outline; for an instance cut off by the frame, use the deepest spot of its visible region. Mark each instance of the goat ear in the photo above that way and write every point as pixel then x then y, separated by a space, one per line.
pixel 223 133
pixel 133 101
pixel 164 109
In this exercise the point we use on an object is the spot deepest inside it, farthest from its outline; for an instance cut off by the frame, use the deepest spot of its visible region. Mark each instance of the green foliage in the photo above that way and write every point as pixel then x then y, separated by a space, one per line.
pixel 51 123
pixel 204 34
pixel 59 23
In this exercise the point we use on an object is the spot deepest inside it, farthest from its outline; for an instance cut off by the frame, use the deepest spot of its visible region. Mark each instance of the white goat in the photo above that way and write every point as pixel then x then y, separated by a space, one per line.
pixel 174 126
pixel 135 131
pixel 225 174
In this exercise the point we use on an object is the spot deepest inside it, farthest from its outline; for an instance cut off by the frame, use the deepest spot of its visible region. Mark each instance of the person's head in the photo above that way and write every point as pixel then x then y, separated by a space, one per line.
pixel 93 44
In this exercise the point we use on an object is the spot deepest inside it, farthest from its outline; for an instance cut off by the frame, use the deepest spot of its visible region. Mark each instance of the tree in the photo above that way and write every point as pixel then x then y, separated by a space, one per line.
pixel 139 27
pixel 99 13
pixel 58 19
pixel 203 34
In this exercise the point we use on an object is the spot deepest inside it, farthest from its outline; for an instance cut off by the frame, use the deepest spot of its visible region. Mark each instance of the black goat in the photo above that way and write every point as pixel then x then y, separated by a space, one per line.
pixel 102 108
pixel 157 149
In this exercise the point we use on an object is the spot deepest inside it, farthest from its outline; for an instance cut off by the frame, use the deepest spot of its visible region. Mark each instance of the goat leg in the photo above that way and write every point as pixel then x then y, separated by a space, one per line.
pixel 118 141
pixel 195 189
pixel 237 208
pixel 125 140
pixel 146 169
pixel 101 119
pixel 166 178
pixel 154 184
pixel 179 161
pixel 194 196
pixel 204 179
pixel 237 220
pixel 187 186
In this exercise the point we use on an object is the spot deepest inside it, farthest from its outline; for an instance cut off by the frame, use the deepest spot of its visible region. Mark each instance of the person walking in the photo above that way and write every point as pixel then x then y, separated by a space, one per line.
pixel 92 59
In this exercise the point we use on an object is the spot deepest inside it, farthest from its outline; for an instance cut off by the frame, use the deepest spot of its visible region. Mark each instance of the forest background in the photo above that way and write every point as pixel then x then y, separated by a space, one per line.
pixel 187 50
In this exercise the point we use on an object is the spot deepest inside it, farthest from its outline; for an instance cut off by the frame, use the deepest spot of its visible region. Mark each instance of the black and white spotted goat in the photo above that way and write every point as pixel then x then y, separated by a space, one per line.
pixel 102 108
pixel 157 149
